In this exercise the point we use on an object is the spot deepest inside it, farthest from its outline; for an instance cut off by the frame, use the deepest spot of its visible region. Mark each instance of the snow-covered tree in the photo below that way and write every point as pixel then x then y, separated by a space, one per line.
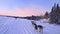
pixel 46 15
pixel 55 14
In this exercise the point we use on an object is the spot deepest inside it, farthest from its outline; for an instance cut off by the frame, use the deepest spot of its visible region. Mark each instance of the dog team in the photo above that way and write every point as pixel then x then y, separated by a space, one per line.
pixel 37 27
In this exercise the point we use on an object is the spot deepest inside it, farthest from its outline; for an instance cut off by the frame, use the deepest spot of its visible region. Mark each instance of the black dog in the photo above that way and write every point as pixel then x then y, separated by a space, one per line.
pixel 40 28
pixel 34 24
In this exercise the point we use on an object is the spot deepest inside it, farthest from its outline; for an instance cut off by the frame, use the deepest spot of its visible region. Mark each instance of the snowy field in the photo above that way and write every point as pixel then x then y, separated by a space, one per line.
pixel 9 25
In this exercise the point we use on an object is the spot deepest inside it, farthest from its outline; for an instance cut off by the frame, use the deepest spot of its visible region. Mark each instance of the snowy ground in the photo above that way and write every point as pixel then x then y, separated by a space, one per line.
pixel 10 25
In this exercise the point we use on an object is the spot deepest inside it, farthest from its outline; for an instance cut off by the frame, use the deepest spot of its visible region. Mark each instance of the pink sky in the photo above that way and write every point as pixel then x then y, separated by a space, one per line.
pixel 26 7
pixel 29 11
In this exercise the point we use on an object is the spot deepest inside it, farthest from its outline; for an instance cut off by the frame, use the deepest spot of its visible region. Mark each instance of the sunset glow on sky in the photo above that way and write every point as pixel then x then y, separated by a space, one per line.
pixel 26 7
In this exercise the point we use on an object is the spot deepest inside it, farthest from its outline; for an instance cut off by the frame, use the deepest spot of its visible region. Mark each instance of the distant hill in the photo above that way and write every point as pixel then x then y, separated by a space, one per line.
pixel 28 17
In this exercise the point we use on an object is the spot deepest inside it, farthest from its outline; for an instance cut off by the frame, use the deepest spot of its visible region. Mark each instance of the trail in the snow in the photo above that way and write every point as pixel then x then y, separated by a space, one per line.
pixel 24 26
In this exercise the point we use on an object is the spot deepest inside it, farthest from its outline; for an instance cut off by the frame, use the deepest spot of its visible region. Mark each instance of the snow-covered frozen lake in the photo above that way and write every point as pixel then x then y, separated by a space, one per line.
pixel 9 25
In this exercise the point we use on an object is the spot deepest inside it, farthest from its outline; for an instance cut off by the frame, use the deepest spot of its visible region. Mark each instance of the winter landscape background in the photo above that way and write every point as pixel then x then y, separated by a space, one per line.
pixel 16 16
pixel 9 25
